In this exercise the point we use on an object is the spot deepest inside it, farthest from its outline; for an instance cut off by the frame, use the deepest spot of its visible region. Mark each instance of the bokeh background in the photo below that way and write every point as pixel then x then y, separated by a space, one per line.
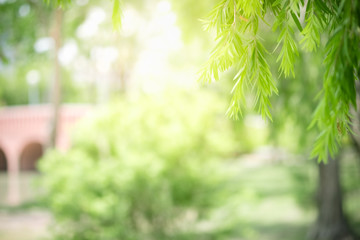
pixel 106 133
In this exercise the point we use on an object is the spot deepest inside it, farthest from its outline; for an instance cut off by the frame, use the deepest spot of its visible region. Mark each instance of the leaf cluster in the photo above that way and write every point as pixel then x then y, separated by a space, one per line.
pixel 342 62
pixel 235 24
pixel 238 44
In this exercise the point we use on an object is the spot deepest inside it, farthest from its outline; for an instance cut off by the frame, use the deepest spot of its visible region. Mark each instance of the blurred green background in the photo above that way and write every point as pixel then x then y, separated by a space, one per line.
pixel 157 158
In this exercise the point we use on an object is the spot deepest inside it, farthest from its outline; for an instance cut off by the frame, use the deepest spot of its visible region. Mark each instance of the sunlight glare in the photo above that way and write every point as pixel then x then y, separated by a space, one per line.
pixel 33 77
pixel 68 52
pixel 44 44
pixel 24 10
pixel 255 121
pixel 91 25
pixel 163 7
pixel 104 57
pixel 131 22
pixel 82 2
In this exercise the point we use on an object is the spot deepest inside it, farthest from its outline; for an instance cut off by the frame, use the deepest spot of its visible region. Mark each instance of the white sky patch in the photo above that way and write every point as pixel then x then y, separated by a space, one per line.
pixel 44 44
pixel 163 7
pixel 166 35
pixel 24 10
pixel 152 71
pixel 104 57
pixel 33 77
pixel 156 38
pixel 80 75
pixel 131 22
pixel 151 87
pixel 150 63
pixel 82 2
pixel 162 38
pixel 255 121
pixel 68 52
pixel 91 25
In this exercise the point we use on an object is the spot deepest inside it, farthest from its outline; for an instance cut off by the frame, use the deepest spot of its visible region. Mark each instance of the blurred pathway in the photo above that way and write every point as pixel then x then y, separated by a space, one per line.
pixel 28 225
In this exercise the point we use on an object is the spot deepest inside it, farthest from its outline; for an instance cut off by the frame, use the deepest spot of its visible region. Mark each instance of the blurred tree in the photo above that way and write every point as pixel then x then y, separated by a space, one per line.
pixel 25 49
pixel 56 85
pixel 17 52
pixel 16 37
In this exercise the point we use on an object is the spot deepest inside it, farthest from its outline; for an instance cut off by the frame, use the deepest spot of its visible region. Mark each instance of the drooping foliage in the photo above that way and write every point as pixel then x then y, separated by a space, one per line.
pixel 236 26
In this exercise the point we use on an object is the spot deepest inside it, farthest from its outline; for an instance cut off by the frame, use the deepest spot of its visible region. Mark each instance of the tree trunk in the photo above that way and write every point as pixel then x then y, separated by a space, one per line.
pixel 355 123
pixel 331 223
pixel 56 88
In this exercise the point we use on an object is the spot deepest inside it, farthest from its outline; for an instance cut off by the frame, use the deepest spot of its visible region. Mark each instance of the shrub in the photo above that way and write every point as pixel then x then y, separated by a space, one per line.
pixel 140 169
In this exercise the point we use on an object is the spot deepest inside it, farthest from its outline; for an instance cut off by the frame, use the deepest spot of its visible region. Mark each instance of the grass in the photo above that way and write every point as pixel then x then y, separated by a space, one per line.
pixel 269 203
pixel 277 201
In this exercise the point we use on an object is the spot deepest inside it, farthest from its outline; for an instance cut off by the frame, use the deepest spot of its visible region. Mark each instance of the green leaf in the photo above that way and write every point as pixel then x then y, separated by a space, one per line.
pixel 116 15
pixel 277 3
pixel 320 4
pixel 296 20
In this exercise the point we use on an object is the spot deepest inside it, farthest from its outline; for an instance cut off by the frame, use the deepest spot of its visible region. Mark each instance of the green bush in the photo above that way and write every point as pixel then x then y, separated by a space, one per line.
pixel 141 169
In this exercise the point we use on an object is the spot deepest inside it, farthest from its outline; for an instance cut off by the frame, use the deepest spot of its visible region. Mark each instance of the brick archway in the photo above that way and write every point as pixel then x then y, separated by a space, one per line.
pixel 3 161
pixel 30 154
pixel 30 125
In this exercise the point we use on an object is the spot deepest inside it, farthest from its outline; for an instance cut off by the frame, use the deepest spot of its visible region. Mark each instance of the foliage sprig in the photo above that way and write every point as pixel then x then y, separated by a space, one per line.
pixel 235 24
pixel 238 44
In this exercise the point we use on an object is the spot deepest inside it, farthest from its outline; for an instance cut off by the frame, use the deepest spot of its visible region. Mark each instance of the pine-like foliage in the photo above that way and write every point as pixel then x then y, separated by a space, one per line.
pixel 238 44
pixel 236 26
